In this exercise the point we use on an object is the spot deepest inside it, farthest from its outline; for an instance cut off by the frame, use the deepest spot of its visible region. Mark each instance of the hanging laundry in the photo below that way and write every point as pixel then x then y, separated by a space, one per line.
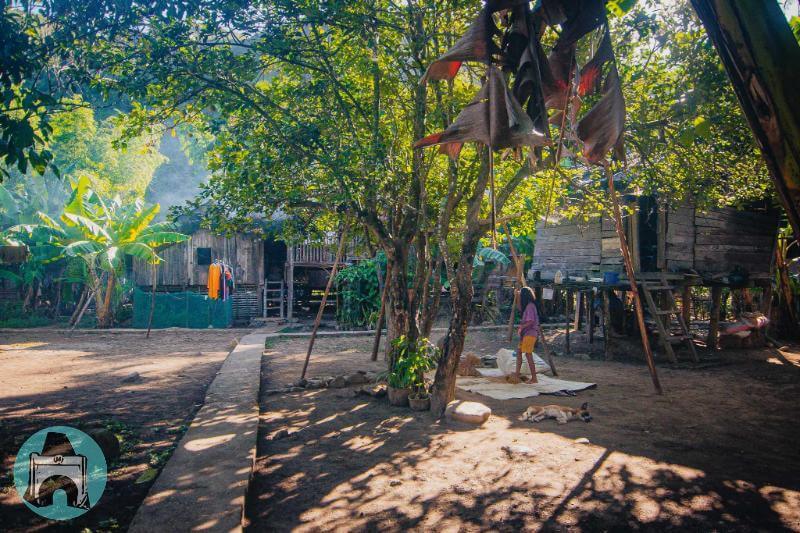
pixel 229 283
pixel 214 272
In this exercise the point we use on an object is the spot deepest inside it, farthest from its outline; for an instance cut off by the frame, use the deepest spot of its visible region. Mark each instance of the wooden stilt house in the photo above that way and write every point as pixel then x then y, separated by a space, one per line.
pixel 673 248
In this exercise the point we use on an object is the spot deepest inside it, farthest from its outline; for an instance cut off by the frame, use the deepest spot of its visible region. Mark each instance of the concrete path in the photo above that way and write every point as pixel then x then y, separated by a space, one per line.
pixel 203 485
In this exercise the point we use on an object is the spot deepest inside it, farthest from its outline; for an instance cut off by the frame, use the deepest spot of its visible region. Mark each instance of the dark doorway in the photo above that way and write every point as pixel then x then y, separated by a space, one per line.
pixel 274 259
pixel 648 234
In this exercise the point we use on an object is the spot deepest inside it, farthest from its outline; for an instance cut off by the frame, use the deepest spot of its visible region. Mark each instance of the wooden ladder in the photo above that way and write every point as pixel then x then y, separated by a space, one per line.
pixel 663 318
pixel 273 298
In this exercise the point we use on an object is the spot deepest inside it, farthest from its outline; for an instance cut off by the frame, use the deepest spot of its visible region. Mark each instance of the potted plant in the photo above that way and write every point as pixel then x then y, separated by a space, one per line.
pixel 408 373
pixel 398 388
pixel 420 400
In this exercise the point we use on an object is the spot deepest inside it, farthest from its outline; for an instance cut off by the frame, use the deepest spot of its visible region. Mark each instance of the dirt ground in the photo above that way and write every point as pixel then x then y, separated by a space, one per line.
pixel 47 378
pixel 718 451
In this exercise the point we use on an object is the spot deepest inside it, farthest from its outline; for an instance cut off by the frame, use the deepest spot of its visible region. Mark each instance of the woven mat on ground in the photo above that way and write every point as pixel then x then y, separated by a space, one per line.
pixel 491 384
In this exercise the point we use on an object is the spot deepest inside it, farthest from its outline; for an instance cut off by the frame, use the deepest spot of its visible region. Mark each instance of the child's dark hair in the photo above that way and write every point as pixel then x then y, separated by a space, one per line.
pixel 526 297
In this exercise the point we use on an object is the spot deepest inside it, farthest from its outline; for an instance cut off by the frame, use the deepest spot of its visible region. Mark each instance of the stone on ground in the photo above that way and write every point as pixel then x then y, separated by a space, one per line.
pixel 467 412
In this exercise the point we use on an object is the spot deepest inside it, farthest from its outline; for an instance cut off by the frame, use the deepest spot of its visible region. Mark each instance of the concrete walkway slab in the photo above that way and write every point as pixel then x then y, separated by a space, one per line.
pixel 203 485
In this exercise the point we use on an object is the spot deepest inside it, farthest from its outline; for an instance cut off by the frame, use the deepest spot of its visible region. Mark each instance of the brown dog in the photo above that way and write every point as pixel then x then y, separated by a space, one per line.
pixel 537 413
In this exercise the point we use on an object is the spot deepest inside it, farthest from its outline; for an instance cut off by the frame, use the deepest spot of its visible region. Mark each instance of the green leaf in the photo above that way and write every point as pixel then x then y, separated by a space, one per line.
pixel 702 127
pixel 147 476
pixel 87 226
pixel 489 255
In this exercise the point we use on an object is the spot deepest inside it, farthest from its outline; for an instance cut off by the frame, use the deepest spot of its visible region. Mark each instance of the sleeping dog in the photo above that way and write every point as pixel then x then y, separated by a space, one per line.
pixel 536 413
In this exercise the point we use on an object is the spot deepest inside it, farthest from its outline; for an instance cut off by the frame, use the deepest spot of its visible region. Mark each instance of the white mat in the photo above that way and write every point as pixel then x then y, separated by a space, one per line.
pixel 507 362
pixel 507 391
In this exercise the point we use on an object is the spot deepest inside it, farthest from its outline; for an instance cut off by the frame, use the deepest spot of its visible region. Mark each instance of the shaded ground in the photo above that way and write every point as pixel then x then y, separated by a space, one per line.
pixel 719 451
pixel 47 378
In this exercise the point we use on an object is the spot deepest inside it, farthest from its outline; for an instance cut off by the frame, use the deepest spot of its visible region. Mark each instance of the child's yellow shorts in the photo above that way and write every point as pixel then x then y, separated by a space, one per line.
pixel 527 343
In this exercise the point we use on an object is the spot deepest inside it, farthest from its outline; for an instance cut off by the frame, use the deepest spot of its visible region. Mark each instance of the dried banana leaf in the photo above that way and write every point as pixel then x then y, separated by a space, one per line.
pixel 493 118
pixel 602 127
pixel 477 44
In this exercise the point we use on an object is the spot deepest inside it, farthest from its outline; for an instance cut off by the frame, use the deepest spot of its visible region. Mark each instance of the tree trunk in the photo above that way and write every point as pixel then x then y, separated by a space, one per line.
pixel 104 315
pixel 399 319
pixel 444 385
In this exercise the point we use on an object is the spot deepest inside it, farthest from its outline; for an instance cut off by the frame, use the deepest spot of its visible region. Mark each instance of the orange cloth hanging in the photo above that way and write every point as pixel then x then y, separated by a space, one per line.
pixel 213 281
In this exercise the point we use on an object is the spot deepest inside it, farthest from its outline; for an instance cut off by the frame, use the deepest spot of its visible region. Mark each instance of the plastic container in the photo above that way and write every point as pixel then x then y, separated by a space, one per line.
pixel 610 278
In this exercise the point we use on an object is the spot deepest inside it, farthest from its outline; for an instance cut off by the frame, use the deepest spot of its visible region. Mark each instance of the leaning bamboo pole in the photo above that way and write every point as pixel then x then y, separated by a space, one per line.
pixel 324 301
pixel 626 258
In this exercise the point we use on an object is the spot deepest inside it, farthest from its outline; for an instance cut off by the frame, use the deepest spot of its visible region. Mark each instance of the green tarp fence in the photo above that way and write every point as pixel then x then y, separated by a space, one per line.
pixel 182 310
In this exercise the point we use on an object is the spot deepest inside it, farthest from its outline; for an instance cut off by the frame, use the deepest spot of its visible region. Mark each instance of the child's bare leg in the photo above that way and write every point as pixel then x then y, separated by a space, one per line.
pixel 519 365
pixel 531 365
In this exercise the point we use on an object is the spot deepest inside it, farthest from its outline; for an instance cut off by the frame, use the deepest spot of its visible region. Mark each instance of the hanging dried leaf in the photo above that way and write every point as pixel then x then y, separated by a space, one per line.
pixel 591 73
pixel 476 44
pixel 560 64
pixel 582 16
pixel 516 38
pixel 602 126
pixel 493 118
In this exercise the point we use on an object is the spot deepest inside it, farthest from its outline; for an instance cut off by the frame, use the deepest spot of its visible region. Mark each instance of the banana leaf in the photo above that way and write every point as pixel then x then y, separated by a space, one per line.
pixel 489 255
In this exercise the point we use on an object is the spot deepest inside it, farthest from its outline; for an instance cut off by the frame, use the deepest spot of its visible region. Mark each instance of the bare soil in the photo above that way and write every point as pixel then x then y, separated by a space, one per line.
pixel 718 451
pixel 48 378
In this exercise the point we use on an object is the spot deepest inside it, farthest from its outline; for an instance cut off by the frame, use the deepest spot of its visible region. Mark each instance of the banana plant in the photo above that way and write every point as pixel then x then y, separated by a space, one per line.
pixel 101 232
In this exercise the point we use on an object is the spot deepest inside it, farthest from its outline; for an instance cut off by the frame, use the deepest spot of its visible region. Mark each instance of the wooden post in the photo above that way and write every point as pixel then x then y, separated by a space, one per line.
pixel 568 308
pixel 520 282
pixel 512 314
pixel 686 304
pixel 289 283
pixel 606 326
pixel 626 257
pixel 713 326
pixel 547 351
pixel 324 301
pixel 382 313
pixel 578 310
pixel 152 302
pixel 590 316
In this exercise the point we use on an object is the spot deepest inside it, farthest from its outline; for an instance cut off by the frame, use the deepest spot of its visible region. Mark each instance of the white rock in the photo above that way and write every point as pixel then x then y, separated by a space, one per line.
pixel 581 440
pixel 468 412
pixel 516 449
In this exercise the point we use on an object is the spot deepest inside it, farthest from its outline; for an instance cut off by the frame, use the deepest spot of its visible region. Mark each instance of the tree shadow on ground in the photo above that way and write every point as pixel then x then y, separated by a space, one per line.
pixel 358 464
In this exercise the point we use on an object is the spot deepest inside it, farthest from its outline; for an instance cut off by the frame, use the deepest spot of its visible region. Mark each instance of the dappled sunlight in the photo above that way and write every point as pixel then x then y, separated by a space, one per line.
pixel 200 445
pixel 350 464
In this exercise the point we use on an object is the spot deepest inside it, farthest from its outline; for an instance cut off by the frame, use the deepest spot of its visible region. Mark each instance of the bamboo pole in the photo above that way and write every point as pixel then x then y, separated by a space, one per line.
pixel 381 314
pixel 626 258
pixel 520 282
pixel 324 301
pixel 494 205
pixel 152 302
pixel 83 310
